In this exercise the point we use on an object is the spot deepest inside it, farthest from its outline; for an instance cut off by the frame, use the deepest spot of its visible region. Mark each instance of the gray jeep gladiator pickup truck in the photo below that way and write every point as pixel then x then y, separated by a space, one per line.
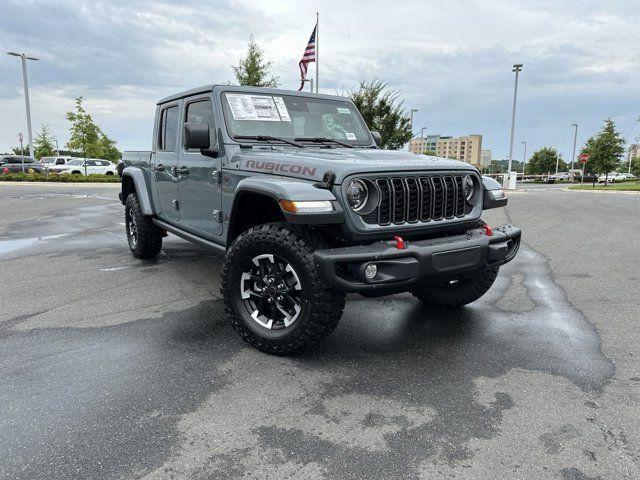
pixel 293 189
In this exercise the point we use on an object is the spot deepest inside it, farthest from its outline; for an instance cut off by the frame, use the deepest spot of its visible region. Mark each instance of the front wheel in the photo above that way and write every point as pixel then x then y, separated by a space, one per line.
pixel 457 293
pixel 272 291
pixel 144 237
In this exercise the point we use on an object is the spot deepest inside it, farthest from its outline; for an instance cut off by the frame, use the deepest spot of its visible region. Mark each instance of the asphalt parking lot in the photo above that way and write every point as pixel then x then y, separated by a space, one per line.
pixel 112 367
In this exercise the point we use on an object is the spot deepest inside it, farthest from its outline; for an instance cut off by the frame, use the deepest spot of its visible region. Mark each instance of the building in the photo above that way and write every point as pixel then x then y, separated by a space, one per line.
pixel 468 149
pixel 425 144
pixel 485 158
pixel 634 151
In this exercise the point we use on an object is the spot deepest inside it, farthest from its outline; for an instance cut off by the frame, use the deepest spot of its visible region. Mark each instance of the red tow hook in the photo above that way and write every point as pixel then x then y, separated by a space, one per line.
pixel 399 242
pixel 487 230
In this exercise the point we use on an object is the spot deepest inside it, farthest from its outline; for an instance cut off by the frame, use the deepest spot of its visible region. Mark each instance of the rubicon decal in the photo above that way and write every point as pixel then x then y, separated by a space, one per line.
pixel 282 167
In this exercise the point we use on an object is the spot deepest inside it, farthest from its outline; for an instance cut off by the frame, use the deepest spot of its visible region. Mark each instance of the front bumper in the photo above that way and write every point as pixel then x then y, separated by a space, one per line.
pixel 421 262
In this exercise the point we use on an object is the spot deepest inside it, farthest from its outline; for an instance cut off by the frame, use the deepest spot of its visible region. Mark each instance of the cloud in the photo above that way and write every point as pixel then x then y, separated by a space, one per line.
pixel 451 60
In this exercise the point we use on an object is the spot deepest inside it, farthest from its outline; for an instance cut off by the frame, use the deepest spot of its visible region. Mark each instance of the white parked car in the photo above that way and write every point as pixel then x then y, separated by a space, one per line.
pixel 94 166
pixel 612 177
pixel 54 164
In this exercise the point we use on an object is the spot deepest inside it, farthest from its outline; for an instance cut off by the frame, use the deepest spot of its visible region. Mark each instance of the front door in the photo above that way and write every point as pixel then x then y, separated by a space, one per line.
pixel 165 162
pixel 200 194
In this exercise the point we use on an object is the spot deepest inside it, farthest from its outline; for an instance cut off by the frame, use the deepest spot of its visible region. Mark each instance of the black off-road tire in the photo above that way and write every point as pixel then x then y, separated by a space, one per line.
pixel 321 304
pixel 147 240
pixel 462 292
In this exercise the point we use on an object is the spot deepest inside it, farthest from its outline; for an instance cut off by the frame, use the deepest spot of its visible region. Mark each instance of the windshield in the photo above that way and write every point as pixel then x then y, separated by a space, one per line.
pixel 293 117
pixel 74 162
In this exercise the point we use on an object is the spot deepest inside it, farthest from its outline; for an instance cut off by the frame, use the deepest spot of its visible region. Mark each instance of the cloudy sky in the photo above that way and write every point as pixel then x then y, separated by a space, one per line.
pixel 449 59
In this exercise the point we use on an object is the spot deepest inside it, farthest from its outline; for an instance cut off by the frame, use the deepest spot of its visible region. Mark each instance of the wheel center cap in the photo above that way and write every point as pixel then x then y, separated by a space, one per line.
pixel 272 291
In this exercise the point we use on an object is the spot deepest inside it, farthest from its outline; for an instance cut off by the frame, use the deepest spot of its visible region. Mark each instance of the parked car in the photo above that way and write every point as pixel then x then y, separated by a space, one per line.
pixel 296 192
pixel 611 177
pixel 54 164
pixel 19 163
pixel 560 177
pixel 629 176
pixel 94 166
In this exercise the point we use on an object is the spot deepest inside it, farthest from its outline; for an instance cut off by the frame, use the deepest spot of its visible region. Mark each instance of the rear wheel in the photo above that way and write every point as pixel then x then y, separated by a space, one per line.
pixel 144 237
pixel 272 291
pixel 459 292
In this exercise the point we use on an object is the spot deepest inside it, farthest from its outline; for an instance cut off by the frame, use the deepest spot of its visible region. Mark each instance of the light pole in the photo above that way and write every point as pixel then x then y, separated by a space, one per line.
pixel 57 149
pixel 516 68
pixel 524 158
pixel 26 94
pixel 411 124
pixel 422 138
pixel 575 138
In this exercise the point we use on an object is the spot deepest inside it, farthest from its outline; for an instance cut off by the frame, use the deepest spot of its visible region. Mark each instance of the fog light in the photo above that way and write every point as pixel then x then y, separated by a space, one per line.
pixel 371 271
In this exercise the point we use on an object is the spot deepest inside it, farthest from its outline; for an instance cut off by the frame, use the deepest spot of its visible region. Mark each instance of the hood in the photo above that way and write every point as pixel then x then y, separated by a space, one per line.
pixel 312 163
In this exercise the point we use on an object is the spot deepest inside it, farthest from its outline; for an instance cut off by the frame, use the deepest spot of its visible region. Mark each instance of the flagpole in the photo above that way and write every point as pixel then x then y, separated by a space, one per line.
pixel 317 49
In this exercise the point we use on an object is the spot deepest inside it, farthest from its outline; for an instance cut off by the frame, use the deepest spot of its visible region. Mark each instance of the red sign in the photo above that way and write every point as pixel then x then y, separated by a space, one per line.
pixel 584 157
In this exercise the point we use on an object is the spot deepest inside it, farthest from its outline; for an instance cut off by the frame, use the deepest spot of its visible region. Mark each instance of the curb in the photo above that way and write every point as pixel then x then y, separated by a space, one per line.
pixel 64 184
pixel 625 192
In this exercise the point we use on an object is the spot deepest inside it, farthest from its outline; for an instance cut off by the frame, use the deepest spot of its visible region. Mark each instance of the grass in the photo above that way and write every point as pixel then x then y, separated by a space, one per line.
pixel 64 178
pixel 620 187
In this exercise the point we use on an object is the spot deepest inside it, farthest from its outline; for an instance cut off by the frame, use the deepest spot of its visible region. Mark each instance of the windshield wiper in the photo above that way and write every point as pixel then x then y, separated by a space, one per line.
pixel 267 138
pixel 323 140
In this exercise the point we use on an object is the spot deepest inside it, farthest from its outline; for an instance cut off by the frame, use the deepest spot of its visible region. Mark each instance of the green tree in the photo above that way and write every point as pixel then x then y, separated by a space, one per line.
pixel 44 143
pixel 253 70
pixel 383 112
pixel 635 166
pixel 20 151
pixel 605 149
pixel 543 161
pixel 86 138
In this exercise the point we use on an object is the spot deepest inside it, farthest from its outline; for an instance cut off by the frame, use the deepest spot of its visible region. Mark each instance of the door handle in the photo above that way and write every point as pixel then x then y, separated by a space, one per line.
pixel 158 168
pixel 182 171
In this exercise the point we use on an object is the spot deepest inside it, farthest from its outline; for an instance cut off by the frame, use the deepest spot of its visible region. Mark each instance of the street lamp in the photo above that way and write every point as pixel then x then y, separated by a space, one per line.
pixel 422 138
pixel 411 119
pixel 26 94
pixel 575 138
pixel 516 68
pixel 524 158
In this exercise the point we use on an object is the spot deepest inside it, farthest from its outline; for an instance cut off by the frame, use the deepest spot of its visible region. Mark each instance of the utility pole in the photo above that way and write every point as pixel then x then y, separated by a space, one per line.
pixel 575 138
pixel 524 158
pixel 24 59
pixel 516 68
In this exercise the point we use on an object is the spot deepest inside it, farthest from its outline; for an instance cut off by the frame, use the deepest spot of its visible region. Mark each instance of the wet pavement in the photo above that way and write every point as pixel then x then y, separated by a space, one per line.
pixel 111 367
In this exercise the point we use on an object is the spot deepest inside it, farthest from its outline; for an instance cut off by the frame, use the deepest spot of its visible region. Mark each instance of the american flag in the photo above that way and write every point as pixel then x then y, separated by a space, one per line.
pixel 308 57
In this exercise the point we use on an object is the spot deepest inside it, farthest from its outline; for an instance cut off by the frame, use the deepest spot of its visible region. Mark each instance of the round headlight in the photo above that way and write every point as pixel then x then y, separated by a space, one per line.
pixel 357 194
pixel 469 188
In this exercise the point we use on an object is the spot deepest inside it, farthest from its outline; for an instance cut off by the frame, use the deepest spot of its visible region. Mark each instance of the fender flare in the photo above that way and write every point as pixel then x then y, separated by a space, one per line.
pixel 138 178
pixel 279 188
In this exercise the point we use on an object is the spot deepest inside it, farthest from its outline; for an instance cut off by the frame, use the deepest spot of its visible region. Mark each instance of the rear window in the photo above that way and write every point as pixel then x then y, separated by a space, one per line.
pixel 168 129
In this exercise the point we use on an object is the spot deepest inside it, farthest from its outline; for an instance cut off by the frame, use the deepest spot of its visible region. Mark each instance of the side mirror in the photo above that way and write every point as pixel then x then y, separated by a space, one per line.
pixel 377 138
pixel 196 136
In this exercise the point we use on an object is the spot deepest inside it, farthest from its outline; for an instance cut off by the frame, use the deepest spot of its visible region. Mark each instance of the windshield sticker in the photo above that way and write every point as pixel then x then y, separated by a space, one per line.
pixel 343 110
pixel 253 107
pixel 350 136
pixel 282 109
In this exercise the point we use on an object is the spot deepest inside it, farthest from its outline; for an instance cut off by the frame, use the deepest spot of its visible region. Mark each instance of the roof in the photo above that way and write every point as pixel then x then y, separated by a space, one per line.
pixel 238 88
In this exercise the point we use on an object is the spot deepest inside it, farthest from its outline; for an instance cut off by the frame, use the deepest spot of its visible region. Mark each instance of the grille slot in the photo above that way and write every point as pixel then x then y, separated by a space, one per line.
pixel 414 199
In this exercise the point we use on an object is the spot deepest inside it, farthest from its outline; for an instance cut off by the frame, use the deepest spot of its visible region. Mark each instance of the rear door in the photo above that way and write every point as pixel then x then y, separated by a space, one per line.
pixel 165 161
pixel 200 193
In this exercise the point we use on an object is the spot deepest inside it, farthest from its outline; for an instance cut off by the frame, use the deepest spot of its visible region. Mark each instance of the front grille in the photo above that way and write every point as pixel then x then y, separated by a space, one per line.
pixel 418 199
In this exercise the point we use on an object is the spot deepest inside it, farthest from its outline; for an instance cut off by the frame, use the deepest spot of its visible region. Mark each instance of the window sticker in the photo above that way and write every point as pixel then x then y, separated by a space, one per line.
pixel 282 109
pixel 350 136
pixel 253 107
pixel 343 110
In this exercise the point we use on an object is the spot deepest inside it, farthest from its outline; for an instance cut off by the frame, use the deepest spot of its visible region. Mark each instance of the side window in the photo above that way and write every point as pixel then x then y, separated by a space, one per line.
pixel 91 163
pixel 202 112
pixel 60 161
pixel 105 163
pixel 168 129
